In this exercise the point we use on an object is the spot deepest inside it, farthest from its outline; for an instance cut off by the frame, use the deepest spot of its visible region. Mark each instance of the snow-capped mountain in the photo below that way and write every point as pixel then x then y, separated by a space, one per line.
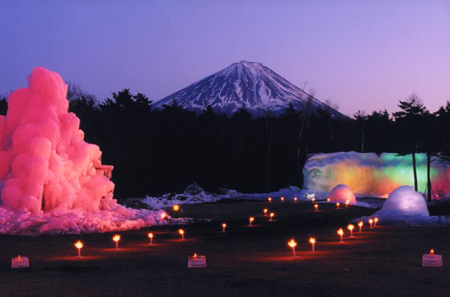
pixel 248 84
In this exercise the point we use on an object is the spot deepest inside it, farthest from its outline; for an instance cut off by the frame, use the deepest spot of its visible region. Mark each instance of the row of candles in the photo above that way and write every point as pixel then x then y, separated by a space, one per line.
pixel 116 238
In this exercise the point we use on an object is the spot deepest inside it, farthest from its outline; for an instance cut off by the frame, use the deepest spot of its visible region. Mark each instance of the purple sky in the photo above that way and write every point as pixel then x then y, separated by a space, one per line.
pixel 359 54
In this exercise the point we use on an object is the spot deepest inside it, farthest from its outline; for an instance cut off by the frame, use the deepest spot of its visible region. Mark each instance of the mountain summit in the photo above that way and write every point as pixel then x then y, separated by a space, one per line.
pixel 244 84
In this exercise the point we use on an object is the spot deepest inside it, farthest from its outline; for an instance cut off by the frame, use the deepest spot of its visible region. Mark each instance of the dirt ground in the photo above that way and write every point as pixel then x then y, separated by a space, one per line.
pixel 244 261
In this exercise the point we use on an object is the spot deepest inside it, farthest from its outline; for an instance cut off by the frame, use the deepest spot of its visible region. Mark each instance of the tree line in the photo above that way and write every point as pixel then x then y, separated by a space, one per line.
pixel 155 151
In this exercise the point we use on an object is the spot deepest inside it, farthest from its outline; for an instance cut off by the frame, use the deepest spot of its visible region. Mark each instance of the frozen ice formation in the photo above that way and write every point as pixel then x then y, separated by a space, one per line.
pixel 342 194
pixel 51 180
pixel 44 161
pixel 369 174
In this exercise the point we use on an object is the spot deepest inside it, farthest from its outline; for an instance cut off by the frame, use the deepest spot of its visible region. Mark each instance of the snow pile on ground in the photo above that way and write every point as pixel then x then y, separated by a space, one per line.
pixel 51 180
pixel 342 194
pixel 405 206
pixel 369 174
pixel 59 221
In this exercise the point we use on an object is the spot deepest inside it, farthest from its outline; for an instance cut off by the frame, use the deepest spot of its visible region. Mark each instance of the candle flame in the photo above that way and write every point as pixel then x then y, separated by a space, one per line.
pixel 432 252
pixel 360 224
pixel 251 219
pixel 370 221
pixel 312 240
pixel 272 215
pixel 313 199
pixel 340 232
pixel 337 204
pixel 116 238
pixel 376 220
pixel 150 235
pixel 224 225
pixel 292 243
pixel 176 207
pixel 282 199
pixel 316 206
pixel 328 199
pixel 270 199
pixel 265 210
pixel 295 199
pixel 163 216
pixel 78 245
pixel 181 231
pixel 350 227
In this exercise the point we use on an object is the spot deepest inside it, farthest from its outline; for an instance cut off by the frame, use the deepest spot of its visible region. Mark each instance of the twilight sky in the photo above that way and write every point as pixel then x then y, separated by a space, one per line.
pixel 360 54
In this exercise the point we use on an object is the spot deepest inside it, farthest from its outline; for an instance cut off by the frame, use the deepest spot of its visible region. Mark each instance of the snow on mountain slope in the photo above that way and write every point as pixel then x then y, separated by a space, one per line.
pixel 248 84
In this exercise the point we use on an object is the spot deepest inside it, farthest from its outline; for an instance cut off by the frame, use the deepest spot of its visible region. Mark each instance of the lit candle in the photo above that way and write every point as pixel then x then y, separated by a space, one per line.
pixel 250 220
pixel 150 236
pixel 351 227
pixel 347 202
pixel 337 205
pixel 328 199
pixel 282 199
pixel 292 244
pixel 116 239
pixel 431 252
pixel 265 212
pixel 271 216
pixel 269 199
pixel 313 199
pixel 341 234
pixel 181 232
pixel 295 199
pixel 176 207
pixel 360 225
pixel 79 245
pixel 316 206
pixel 163 216
pixel 371 223
pixel 313 243
pixel 224 226
pixel 375 221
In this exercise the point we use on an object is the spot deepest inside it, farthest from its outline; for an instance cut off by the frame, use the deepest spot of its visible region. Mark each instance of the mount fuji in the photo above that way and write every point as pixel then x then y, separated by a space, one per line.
pixel 244 84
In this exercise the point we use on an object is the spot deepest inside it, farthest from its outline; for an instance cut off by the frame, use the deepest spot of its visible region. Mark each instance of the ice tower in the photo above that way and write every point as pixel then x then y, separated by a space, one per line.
pixel 45 163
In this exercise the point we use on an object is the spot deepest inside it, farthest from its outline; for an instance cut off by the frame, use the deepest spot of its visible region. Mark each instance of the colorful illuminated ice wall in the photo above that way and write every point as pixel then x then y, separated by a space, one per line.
pixel 369 174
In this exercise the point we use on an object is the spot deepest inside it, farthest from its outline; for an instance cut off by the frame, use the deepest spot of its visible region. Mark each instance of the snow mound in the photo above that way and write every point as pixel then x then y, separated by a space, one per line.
pixel 406 207
pixel 342 194
pixel 59 221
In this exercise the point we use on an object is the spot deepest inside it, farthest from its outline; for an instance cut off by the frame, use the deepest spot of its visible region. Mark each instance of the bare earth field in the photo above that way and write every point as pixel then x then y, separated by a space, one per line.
pixel 244 261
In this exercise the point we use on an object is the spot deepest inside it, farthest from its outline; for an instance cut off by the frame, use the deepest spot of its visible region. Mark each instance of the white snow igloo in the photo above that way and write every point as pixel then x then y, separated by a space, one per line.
pixel 405 201
pixel 342 194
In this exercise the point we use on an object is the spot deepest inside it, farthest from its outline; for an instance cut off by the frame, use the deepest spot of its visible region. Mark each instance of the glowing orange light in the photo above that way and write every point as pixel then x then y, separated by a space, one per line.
pixel 195 255
pixel 316 206
pixel 371 223
pixel 312 240
pixel 250 220
pixel 341 234
pixel 181 232
pixel 282 199
pixel 347 202
pixel 272 214
pixel 351 227
pixel 313 199
pixel 79 245
pixel 116 239
pixel 150 236
pixel 337 205
pixel 224 226
pixel 328 199
pixel 295 199
pixel 265 212
pixel 176 207
pixel 431 252
pixel 163 216
pixel 360 225
pixel 292 243
pixel 375 221
pixel 270 199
